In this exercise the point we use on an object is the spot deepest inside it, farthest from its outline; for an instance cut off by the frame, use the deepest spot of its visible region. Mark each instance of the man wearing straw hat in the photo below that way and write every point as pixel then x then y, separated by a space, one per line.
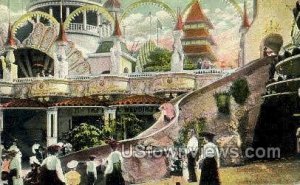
pixel 72 177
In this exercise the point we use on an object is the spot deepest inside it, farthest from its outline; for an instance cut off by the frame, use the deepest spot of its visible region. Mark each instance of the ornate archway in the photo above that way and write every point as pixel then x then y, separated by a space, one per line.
pixel 35 17
pixel 157 3
pixel 88 8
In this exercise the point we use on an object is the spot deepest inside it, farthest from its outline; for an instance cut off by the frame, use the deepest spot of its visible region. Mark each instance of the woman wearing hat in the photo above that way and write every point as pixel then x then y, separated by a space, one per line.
pixel 51 171
pixel 113 171
pixel 211 161
pixel 72 177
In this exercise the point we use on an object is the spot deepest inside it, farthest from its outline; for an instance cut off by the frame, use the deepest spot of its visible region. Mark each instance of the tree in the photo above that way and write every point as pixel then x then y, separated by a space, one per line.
pixel 223 102
pixel 85 136
pixel 240 90
pixel 158 60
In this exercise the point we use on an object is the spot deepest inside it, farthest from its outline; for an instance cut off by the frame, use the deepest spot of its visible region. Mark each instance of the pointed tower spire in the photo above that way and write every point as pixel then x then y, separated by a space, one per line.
pixel 117 30
pixel 10 40
pixel 179 24
pixel 246 23
pixel 62 34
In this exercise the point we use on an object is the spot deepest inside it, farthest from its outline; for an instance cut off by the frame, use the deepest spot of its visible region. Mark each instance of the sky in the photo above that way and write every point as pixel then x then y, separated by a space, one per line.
pixel 223 16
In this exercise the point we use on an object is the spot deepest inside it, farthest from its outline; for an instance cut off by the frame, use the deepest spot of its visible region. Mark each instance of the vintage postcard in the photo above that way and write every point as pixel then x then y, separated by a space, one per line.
pixel 149 92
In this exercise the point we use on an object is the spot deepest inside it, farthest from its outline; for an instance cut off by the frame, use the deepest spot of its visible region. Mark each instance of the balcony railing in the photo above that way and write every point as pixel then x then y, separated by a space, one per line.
pixel 78 27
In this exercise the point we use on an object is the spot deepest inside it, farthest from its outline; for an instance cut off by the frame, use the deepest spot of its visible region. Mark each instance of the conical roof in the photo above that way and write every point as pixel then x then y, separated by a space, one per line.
pixel 117 30
pixel 10 40
pixel 246 23
pixel 62 34
pixel 196 15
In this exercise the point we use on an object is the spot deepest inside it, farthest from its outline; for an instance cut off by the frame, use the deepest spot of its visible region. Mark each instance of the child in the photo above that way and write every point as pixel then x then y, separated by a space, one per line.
pixel 72 177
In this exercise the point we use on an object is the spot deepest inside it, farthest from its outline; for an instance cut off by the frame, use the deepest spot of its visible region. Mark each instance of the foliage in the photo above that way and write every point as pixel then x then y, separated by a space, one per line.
pixel 189 64
pixel 159 60
pixel 223 102
pixel 197 125
pixel 131 123
pixel 240 90
pixel 85 136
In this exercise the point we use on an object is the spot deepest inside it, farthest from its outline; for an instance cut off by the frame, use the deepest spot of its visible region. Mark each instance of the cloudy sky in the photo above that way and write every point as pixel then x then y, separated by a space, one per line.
pixel 225 19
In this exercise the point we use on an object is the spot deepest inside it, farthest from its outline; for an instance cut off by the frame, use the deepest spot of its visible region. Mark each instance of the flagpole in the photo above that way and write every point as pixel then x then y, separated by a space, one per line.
pixel 150 24
pixel 157 32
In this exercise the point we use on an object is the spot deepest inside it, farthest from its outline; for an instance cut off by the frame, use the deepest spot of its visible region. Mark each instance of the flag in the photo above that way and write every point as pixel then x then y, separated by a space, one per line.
pixel 159 25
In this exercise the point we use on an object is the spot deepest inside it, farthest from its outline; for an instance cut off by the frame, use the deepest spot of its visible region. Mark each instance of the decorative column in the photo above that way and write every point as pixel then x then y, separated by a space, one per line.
pixel 51 11
pixel 67 11
pixel 52 130
pixel 84 20
pixel 98 19
pixel 177 58
pixel 38 18
pixel 109 115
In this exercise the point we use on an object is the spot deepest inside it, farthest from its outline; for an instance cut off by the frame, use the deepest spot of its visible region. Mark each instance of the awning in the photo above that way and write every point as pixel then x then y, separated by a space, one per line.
pixel 23 104
pixel 80 102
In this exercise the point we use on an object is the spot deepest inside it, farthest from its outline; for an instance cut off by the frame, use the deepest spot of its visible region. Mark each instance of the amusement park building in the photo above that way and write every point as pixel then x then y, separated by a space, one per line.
pixel 64 63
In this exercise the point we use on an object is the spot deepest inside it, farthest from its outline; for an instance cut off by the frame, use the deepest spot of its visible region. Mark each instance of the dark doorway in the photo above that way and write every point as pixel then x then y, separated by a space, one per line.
pixel 92 120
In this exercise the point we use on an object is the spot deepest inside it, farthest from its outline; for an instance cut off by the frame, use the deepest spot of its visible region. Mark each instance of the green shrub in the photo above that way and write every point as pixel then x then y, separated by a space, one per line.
pixel 240 90
pixel 197 125
pixel 85 136
pixel 223 102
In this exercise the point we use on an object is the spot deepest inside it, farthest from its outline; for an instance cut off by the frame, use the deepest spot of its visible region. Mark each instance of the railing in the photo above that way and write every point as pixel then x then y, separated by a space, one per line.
pixel 214 71
pixel 80 27
pixel 27 80
pixel 80 77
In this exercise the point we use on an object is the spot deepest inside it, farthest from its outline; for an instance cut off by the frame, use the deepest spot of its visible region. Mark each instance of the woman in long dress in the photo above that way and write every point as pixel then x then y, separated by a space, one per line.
pixel 113 171
pixel 51 171
pixel 210 161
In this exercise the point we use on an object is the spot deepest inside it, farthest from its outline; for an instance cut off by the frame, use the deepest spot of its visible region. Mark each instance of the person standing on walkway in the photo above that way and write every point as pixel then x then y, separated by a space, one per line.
pixel 192 150
pixel 15 171
pixel 91 170
pixel 72 177
pixel 51 171
pixel 210 158
pixel 113 172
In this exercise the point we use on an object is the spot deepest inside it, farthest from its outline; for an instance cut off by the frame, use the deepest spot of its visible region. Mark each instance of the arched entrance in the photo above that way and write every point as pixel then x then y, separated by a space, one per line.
pixel 33 63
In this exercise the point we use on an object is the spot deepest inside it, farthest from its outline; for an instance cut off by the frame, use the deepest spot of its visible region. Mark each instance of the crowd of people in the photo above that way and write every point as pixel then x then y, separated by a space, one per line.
pixel 208 162
pixel 46 167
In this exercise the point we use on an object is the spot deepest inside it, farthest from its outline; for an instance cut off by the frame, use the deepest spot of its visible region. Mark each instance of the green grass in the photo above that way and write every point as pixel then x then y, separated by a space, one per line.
pixel 277 172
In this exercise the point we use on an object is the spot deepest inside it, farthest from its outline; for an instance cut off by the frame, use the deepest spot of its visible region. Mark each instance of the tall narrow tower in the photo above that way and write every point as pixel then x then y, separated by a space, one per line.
pixel 243 30
pixel 197 41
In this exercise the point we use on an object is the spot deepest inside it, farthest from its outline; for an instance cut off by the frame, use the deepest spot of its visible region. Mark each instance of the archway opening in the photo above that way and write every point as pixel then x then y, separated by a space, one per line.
pixel 33 63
